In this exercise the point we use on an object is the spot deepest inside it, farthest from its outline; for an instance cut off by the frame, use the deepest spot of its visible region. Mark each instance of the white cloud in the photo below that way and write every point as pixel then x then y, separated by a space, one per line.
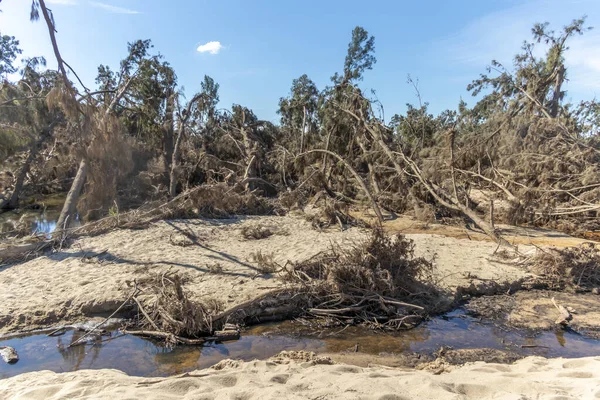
pixel 210 47
pixel 62 2
pixel 112 9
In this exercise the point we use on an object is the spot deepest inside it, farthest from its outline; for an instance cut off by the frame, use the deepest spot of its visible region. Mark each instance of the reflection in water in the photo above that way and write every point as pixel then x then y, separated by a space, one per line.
pixel 137 356
pixel 26 222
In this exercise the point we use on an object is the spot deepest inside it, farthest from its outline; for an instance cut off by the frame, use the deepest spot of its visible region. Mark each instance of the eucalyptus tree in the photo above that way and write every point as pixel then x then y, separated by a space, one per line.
pixel 535 85
pixel 9 51
pixel 299 110
pixel 25 120
pixel 343 102
pixel 94 121
pixel 196 116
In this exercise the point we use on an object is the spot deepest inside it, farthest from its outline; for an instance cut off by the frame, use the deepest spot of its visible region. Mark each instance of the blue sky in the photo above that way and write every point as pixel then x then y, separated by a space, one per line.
pixel 264 45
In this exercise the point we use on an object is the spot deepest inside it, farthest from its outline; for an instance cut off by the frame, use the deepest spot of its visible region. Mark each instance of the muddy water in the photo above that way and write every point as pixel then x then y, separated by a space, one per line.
pixel 141 357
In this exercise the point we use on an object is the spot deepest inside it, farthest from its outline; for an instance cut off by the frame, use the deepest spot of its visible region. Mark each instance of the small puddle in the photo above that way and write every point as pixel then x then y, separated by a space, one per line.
pixel 141 357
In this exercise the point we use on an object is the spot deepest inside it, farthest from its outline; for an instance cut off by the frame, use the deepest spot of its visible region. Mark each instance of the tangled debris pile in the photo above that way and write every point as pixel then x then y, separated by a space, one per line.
pixel 574 268
pixel 165 311
pixel 378 282
pixel 210 201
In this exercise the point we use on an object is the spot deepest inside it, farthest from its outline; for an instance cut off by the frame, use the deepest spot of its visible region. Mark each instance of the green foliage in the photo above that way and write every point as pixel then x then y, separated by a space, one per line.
pixel 360 55
pixel 535 84
pixel 9 50
pixel 300 110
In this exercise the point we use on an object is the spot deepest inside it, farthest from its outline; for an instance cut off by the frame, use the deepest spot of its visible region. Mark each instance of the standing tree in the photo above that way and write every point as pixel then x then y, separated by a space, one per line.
pixel 200 109
pixel 299 111
pixel 9 50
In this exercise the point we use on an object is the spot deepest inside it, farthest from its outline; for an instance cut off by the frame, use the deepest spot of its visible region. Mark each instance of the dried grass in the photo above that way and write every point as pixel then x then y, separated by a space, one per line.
pixel 265 262
pixel 256 232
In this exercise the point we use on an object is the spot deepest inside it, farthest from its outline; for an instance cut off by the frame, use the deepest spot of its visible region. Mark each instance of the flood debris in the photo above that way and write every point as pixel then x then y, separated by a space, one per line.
pixel 572 268
pixel 9 354
pixel 565 314
pixel 378 282
pixel 165 311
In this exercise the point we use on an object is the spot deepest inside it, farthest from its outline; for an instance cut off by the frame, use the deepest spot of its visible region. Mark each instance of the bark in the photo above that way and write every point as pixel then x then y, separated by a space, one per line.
pixel 168 147
pixel 67 215
pixel 51 31
pixel 175 162
pixel 303 130
pixel 560 77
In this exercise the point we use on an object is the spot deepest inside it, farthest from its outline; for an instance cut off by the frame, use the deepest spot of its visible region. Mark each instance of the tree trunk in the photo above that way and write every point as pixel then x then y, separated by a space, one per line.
pixel 560 77
pixel 168 132
pixel 251 150
pixel 326 148
pixel 303 130
pixel 372 178
pixel 67 215
pixel 175 162
pixel 51 30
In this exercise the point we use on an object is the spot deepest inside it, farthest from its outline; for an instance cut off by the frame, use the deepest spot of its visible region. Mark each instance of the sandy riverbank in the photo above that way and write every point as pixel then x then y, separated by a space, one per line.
pixel 90 277
pixel 304 376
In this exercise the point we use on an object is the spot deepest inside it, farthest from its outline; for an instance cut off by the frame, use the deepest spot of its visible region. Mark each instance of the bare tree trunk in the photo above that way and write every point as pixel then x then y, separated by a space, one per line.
pixel 51 31
pixel 13 202
pixel 251 150
pixel 326 148
pixel 175 162
pixel 69 208
pixel 303 130
pixel 67 215
pixel 560 77
pixel 168 147
pixel 372 177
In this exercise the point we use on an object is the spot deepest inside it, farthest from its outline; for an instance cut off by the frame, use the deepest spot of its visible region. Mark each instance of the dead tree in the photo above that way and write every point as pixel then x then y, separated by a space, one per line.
pixel 182 124
pixel 356 176
pixel 451 202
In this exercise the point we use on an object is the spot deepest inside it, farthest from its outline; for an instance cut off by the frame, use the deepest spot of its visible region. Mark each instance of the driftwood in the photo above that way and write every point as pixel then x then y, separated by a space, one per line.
pixel 565 315
pixel 273 306
pixel 218 336
pixel 14 253
pixel 8 354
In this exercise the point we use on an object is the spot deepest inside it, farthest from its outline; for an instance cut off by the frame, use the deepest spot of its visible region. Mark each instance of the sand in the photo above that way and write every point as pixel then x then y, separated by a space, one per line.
pixel 91 278
pixel 304 376
pixel 75 283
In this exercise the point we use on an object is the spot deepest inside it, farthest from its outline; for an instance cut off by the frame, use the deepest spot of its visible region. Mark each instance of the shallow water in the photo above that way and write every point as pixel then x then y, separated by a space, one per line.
pixel 31 220
pixel 137 356
pixel 35 221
